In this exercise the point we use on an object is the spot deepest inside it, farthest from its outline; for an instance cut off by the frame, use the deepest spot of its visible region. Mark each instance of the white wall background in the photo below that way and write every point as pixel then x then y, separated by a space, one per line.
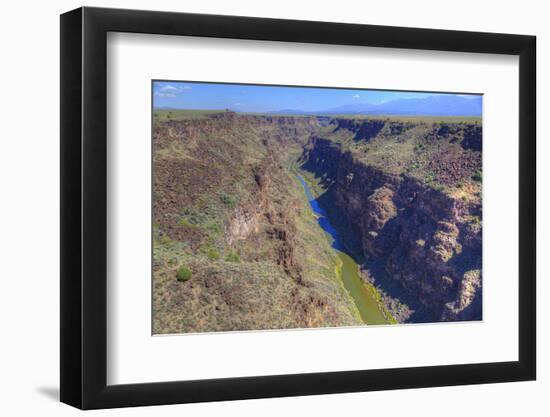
pixel 29 177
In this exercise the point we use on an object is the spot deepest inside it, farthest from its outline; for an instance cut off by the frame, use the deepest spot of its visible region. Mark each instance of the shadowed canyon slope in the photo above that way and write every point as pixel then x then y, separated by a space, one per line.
pixel 404 195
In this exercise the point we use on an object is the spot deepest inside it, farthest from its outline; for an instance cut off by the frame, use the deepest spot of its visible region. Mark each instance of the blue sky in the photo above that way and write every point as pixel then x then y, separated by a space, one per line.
pixel 258 98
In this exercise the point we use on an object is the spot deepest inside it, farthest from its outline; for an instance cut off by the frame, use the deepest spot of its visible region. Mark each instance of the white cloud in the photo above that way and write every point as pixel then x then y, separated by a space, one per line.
pixel 168 95
pixel 171 91
pixel 169 88
pixel 237 104
pixel 356 96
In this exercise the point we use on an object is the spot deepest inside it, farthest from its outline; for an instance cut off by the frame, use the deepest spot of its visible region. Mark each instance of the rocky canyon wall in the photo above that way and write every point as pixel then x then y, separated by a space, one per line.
pixel 427 240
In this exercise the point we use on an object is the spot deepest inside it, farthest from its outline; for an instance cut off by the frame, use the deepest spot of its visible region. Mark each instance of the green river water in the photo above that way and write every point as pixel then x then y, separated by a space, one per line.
pixel 364 298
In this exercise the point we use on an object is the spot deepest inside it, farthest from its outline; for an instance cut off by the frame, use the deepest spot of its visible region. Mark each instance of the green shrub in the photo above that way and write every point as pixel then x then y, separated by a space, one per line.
pixel 213 254
pixel 183 274
pixel 228 199
pixel 213 227
pixel 184 222
pixel 233 257
pixel 192 217
pixel 477 176
pixel 165 240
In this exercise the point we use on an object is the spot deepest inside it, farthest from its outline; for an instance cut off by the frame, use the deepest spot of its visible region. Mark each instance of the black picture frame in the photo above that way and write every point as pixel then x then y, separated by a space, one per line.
pixel 84 207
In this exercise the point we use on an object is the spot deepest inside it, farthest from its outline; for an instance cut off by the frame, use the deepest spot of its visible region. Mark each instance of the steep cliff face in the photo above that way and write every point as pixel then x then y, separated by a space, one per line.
pixel 427 240
pixel 362 129
pixel 272 217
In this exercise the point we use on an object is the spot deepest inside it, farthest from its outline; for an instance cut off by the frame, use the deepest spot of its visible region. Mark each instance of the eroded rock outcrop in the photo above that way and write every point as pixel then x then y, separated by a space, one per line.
pixel 429 241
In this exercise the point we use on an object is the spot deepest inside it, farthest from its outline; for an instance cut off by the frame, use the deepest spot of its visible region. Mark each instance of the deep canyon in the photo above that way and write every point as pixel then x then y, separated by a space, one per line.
pixel 233 204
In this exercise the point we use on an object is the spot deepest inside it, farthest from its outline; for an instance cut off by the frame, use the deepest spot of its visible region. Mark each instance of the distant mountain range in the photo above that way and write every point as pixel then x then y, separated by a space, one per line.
pixel 437 105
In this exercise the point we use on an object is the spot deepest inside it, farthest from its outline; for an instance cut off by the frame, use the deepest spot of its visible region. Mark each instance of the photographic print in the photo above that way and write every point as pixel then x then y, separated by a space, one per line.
pixel 285 207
